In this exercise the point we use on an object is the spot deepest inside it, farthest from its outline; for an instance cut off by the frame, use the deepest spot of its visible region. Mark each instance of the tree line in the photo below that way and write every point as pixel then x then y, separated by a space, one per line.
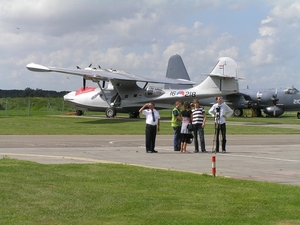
pixel 28 92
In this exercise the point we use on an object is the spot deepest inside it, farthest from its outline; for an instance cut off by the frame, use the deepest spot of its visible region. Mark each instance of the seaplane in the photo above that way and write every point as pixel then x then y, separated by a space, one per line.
pixel 122 92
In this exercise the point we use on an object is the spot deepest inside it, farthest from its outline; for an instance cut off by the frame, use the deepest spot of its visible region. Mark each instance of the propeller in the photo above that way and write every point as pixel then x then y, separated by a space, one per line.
pixel 83 78
pixel 84 82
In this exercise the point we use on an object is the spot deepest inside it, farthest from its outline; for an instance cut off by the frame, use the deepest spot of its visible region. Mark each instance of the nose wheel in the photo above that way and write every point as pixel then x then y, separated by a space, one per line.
pixel 79 112
pixel 110 112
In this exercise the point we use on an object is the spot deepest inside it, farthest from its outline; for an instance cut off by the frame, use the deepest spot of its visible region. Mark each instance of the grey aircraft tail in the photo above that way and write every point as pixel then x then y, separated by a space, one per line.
pixel 176 70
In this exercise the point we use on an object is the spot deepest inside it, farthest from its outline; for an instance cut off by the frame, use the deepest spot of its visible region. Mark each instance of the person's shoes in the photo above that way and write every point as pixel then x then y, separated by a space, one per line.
pixel 154 151
pixel 196 151
pixel 223 151
pixel 204 151
pixel 177 150
pixel 216 150
pixel 148 151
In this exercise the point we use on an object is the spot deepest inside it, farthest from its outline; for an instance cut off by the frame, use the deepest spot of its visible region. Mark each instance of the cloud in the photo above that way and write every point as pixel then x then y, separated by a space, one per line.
pixel 279 29
pixel 140 36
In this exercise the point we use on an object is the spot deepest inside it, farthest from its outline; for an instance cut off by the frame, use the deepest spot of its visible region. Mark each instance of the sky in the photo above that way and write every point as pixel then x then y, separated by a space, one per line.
pixel 139 37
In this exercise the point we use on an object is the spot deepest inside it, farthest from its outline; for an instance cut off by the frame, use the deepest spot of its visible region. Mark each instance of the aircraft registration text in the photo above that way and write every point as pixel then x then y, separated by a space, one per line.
pixel 296 101
pixel 183 93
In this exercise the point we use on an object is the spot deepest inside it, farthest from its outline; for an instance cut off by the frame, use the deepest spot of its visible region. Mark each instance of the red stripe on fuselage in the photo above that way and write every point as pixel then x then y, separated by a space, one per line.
pixel 84 90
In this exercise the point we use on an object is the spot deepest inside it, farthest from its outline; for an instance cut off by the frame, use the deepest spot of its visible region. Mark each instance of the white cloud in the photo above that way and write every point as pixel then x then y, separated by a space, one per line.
pixel 140 36
pixel 276 48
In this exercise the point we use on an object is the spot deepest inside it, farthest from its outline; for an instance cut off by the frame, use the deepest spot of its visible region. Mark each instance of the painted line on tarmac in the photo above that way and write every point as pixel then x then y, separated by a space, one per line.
pixel 61 157
pixel 90 160
pixel 260 157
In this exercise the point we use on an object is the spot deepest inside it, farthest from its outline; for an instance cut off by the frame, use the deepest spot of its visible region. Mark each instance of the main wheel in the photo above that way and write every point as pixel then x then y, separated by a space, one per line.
pixel 298 115
pixel 134 115
pixel 110 112
pixel 258 113
pixel 238 112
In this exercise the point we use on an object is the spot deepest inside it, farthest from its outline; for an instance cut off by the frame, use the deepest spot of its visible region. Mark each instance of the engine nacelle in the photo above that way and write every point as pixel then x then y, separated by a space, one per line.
pixel 273 111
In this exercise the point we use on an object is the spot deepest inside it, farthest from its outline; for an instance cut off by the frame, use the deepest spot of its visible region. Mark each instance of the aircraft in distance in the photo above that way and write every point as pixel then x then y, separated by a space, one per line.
pixel 273 102
pixel 123 92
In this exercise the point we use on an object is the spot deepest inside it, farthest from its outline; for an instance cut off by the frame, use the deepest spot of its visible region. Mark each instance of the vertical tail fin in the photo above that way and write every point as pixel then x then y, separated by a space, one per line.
pixel 222 80
pixel 226 67
pixel 176 70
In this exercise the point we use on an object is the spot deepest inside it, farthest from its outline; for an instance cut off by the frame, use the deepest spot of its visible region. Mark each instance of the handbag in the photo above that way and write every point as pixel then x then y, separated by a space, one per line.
pixel 190 139
pixel 190 127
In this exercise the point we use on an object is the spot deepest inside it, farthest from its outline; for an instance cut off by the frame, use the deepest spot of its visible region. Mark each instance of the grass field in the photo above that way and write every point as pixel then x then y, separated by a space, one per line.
pixel 99 124
pixel 33 193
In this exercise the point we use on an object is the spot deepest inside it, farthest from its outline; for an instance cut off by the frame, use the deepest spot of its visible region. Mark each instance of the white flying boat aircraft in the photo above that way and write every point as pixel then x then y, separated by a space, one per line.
pixel 119 91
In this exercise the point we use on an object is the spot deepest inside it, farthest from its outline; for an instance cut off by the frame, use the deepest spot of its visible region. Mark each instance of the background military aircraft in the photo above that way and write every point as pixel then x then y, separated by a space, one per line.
pixel 272 102
pixel 119 91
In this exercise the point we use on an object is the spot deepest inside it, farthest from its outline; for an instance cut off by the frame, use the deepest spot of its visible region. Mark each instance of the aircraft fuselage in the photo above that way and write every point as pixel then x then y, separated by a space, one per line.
pixel 271 101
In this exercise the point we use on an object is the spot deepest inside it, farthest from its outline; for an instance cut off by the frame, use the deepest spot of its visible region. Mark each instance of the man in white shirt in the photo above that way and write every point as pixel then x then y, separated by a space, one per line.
pixel 152 125
pixel 220 111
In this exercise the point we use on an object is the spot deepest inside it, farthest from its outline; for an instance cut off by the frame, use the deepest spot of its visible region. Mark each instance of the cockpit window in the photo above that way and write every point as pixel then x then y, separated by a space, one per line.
pixel 153 92
pixel 291 90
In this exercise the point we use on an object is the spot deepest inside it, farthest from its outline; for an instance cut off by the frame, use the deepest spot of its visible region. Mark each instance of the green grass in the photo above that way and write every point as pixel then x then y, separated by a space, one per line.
pixel 43 116
pixel 33 193
pixel 43 124
pixel 33 106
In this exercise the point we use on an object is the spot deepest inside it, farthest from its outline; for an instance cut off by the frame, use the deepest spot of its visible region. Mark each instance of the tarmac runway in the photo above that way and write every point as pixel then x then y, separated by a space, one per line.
pixel 271 158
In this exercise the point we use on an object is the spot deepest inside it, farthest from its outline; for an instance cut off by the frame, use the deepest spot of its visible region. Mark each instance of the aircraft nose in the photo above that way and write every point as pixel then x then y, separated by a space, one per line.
pixel 70 96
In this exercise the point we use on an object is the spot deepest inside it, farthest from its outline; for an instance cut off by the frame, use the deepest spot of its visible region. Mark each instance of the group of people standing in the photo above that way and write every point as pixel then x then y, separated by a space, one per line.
pixel 181 120
pixel 197 117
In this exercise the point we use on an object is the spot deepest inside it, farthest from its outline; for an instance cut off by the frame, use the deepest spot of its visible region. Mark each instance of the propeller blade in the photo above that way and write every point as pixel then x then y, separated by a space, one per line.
pixel 275 101
pixel 275 97
pixel 90 65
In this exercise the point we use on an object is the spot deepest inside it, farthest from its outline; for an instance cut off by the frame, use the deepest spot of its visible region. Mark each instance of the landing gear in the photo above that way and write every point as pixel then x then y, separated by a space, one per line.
pixel 298 115
pixel 79 112
pixel 238 112
pixel 110 112
pixel 134 115
pixel 258 113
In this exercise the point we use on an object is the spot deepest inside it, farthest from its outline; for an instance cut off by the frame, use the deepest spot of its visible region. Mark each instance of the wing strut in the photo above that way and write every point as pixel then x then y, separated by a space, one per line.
pixel 102 91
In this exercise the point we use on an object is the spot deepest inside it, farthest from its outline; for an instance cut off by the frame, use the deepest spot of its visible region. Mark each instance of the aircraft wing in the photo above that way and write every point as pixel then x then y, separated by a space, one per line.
pixel 106 75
